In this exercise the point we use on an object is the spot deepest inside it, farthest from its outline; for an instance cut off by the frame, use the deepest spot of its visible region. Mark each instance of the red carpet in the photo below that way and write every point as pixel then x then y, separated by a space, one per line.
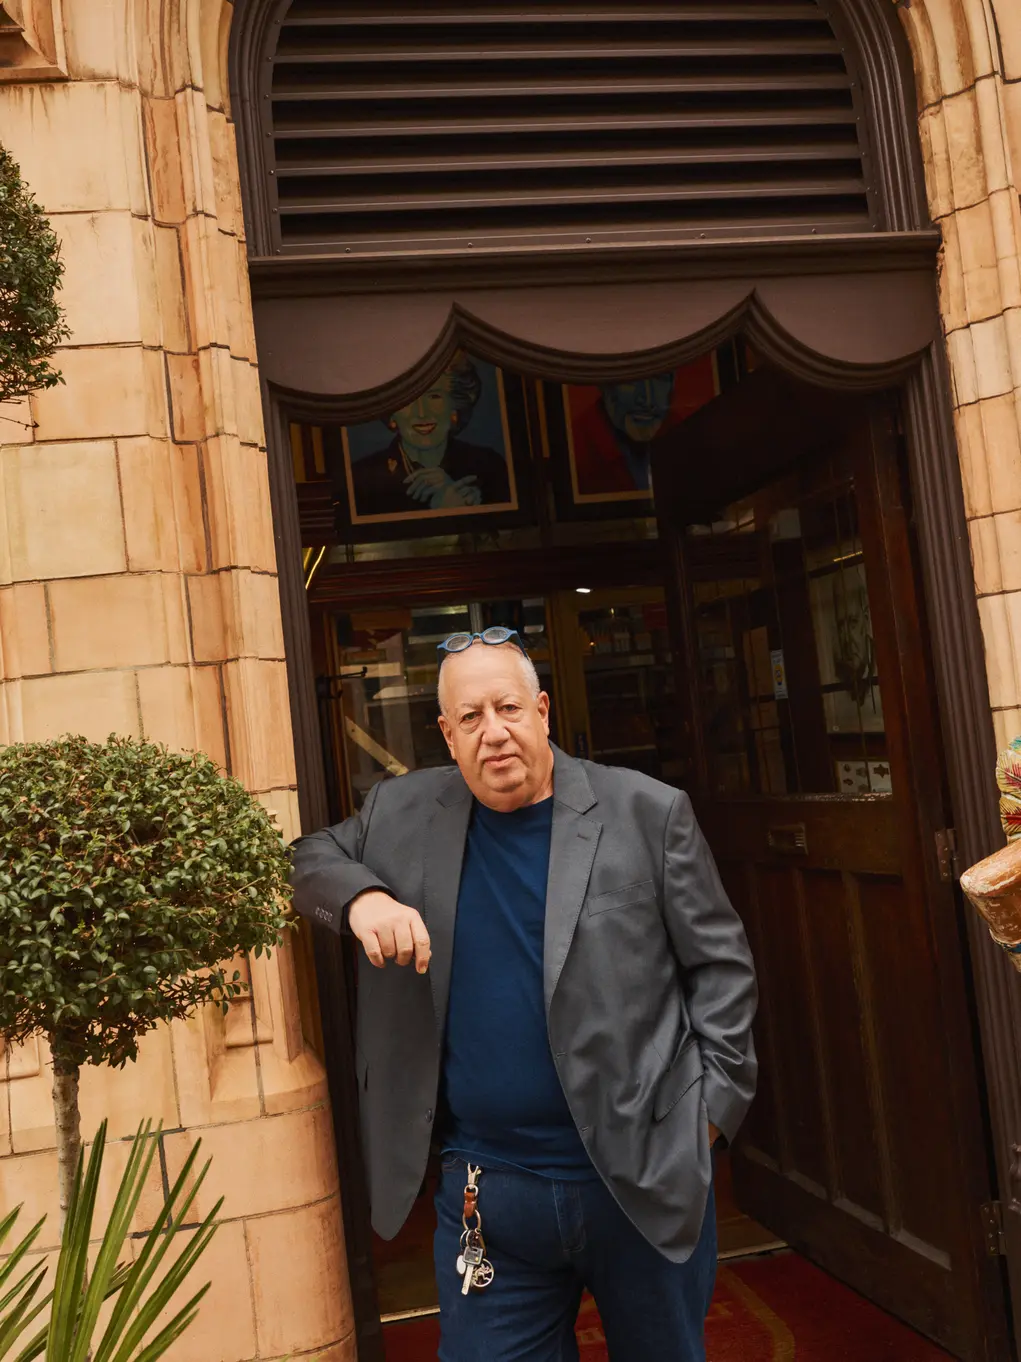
pixel 774 1309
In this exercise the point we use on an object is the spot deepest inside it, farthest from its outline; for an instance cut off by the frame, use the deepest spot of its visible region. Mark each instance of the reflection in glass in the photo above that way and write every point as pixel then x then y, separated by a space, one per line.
pixel 790 694
pixel 629 681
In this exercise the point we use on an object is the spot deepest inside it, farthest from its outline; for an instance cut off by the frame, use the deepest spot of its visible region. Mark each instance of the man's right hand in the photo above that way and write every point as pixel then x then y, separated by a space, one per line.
pixel 389 930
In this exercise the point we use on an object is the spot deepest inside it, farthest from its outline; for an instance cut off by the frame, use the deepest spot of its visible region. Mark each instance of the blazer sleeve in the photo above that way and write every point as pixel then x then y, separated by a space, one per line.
pixel 718 973
pixel 327 871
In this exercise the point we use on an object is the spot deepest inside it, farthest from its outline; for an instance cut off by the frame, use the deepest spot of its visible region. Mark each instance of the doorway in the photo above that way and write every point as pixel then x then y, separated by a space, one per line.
pixel 753 635
pixel 604 656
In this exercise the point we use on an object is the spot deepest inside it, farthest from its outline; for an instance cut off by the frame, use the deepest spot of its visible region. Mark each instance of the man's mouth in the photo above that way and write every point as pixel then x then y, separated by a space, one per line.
pixel 499 761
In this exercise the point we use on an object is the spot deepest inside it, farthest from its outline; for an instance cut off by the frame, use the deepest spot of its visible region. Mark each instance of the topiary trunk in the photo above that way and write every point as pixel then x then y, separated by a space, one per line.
pixel 69 1130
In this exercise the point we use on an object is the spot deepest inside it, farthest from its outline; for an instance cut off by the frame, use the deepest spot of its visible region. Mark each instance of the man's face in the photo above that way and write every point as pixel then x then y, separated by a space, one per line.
pixel 496 729
pixel 639 409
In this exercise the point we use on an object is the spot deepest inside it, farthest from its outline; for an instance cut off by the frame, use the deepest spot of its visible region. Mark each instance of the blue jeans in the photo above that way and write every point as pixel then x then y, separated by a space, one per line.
pixel 548 1242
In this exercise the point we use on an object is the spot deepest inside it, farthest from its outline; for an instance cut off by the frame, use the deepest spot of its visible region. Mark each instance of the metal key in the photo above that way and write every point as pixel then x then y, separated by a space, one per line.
pixel 461 1265
pixel 473 1256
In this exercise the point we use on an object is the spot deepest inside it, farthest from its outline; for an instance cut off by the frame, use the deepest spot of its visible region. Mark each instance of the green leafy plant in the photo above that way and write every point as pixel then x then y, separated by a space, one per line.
pixel 128 874
pixel 143 1289
pixel 31 319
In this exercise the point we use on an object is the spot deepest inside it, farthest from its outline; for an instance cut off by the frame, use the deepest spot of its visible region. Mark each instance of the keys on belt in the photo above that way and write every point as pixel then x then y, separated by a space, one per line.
pixel 472 1264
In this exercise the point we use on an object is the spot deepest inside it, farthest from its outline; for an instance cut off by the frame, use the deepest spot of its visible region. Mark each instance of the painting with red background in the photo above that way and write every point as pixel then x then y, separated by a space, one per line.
pixel 610 428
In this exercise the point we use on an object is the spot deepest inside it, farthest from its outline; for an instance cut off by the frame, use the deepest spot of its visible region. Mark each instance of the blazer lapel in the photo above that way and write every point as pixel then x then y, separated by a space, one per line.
pixel 444 857
pixel 572 852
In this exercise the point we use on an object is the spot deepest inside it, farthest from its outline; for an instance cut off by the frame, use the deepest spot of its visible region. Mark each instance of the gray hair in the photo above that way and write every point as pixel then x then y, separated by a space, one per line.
pixel 527 666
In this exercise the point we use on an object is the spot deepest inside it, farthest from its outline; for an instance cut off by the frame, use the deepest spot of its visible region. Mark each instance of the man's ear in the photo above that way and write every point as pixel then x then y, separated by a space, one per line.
pixel 542 701
pixel 447 731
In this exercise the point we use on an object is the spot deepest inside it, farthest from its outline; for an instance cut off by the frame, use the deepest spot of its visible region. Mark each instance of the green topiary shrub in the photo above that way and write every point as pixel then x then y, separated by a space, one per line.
pixel 31 320
pixel 128 874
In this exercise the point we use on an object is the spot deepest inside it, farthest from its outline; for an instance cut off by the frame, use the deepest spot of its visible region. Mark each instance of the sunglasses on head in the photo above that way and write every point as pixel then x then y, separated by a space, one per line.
pixel 495 635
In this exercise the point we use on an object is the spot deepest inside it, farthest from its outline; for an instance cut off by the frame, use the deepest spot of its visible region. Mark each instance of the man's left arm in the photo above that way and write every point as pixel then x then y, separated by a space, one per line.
pixel 718 974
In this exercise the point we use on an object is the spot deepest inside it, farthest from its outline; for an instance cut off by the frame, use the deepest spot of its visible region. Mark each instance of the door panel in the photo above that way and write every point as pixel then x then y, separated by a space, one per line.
pixel 820 791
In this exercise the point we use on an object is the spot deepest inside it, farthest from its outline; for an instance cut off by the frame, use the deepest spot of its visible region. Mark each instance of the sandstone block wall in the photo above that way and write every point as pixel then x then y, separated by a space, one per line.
pixel 967 57
pixel 138 594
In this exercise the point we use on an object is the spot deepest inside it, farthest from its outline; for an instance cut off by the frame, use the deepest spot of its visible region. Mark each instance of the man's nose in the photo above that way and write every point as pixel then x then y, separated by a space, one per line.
pixel 494 730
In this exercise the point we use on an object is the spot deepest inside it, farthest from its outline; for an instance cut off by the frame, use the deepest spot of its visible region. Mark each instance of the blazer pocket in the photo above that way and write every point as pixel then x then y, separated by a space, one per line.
pixel 621 898
pixel 686 1070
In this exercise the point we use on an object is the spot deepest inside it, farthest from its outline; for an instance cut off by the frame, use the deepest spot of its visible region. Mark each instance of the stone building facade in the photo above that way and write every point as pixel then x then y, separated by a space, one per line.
pixel 138 588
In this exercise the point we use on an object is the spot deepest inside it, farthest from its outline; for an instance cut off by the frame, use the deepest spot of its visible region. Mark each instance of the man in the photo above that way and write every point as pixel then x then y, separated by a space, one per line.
pixel 577 1021
pixel 612 437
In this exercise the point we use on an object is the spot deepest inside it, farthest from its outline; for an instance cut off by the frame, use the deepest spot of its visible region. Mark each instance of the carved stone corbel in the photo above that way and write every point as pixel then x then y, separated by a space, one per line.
pixel 31 40
pixel 994 885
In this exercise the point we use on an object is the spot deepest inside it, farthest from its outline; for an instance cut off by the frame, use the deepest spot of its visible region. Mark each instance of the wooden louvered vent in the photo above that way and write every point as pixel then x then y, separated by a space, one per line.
pixel 431 126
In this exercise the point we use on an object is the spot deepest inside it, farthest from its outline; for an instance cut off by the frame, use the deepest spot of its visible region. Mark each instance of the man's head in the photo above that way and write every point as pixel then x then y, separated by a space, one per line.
pixel 495 718
pixel 639 409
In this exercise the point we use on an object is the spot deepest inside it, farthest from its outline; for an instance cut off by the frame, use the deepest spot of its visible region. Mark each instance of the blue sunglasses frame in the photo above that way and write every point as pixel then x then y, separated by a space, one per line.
pixel 495 636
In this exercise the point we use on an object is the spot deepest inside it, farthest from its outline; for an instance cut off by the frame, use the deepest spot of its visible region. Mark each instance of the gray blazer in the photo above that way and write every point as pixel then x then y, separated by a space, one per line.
pixel 649 984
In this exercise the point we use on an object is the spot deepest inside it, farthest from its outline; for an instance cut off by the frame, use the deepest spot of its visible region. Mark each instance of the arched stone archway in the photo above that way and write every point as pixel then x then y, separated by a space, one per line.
pixel 136 498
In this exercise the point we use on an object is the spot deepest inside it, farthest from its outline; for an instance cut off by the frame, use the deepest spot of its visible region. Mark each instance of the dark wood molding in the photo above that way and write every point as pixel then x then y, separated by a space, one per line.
pixel 253 30
pixel 750 316
pixel 332 957
pixel 924 743
pixel 970 754
pixel 941 526
pixel 294 608
pixel 885 95
pixel 293 276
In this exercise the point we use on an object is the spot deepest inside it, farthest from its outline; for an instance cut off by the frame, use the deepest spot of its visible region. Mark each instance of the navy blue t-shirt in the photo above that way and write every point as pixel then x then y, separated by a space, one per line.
pixel 504 1101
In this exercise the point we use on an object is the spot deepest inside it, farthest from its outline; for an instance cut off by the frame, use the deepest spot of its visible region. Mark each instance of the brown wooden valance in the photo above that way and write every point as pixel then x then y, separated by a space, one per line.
pixel 856 324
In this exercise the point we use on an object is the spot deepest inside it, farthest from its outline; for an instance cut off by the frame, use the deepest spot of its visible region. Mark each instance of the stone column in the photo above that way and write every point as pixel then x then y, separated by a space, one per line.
pixel 967 57
pixel 138 595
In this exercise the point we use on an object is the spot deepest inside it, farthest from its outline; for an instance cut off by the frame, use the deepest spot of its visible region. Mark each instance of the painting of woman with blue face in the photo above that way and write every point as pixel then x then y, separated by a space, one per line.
pixel 610 429
pixel 417 462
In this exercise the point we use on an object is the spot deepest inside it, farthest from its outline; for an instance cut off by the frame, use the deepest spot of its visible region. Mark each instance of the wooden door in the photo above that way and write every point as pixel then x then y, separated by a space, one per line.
pixel 819 784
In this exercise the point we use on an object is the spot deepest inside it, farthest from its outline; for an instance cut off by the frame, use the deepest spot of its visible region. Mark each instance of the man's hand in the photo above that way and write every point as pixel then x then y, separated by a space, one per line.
pixel 389 930
pixel 714 1134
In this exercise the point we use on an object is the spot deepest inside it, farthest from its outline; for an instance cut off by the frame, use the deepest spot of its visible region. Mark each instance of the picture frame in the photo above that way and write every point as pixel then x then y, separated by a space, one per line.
pixel 842 622
pixel 454 460
pixel 598 437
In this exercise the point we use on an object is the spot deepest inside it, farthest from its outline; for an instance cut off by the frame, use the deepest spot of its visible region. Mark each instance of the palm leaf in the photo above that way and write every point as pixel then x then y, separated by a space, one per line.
pixel 36 1346
pixel 143 1289
pixel 17 1320
pixel 125 1205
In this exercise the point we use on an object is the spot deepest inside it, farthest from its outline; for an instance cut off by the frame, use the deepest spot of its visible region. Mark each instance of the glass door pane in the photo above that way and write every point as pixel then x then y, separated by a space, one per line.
pixel 790 696
pixel 629 680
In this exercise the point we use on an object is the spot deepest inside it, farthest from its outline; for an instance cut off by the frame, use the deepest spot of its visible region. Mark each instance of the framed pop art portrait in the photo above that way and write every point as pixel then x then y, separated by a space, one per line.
pixel 600 437
pixel 451 456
